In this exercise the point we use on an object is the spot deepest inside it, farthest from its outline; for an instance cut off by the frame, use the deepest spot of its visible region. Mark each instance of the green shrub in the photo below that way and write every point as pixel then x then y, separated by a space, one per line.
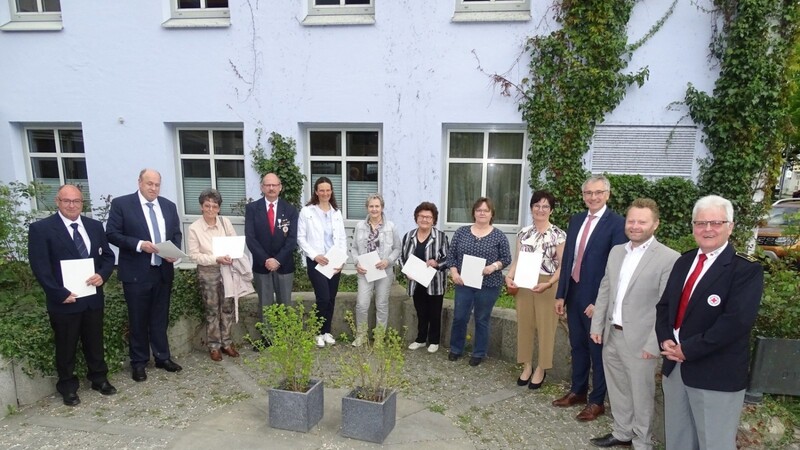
pixel 779 315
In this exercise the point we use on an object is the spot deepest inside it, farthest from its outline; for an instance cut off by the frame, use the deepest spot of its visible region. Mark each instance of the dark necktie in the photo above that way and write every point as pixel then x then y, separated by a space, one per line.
pixel 576 271
pixel 271 218
pixel 687 289
pixel 156 232
pixel 79 242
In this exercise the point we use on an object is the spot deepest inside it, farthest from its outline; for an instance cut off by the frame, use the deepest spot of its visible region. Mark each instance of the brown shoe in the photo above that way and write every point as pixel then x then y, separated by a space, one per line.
pixel 570 399
pixel 230 351
pixel 215 354
pixel 591 412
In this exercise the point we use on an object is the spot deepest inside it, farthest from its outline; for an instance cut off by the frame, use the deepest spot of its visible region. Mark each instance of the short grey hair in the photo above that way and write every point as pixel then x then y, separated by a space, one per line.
pixel 210 194
pixel 594 178
pixel 713 201
pixel 374 196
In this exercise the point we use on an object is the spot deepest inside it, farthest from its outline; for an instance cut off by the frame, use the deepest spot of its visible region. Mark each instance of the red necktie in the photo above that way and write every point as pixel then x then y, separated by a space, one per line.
pixel 271 218
pixel 687 289
pixel 576 271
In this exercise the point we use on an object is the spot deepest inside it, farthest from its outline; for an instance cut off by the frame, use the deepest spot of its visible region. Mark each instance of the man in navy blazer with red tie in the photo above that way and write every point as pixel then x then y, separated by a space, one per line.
pixel 67 235
pixel 136 223
pixel 582 269
pixel 703 324
pixel 272 244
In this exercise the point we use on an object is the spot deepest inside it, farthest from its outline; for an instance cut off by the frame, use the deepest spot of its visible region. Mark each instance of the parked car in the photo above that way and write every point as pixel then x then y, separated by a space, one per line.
pixel 784 201
pixel 771 235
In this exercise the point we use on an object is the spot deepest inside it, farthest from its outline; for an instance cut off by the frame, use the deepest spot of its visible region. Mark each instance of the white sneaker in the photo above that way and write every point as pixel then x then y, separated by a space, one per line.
pixel 415 345
pixel 433 348
pixel 328 338
pixel 359 341
pixel 320 339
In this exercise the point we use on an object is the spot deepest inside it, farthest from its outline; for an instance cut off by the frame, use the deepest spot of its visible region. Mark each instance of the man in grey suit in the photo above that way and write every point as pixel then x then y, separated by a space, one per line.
pixel 624 322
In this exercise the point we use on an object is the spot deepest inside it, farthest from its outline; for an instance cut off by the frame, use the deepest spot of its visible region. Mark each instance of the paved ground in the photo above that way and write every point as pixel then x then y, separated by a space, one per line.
pixel 221 405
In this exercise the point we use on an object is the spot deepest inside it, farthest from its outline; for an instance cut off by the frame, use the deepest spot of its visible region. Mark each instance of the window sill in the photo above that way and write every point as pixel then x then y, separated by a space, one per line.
pixel 339 19
pixel 32 25
pixel 198 22
pixel 492 16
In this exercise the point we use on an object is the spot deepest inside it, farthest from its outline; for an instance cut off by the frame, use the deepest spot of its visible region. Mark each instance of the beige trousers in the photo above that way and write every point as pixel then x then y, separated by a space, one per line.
pixel 536 318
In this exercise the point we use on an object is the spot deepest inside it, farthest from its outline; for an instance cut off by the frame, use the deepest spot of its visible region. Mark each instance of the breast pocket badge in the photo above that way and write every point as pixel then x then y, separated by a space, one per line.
pixel 714 300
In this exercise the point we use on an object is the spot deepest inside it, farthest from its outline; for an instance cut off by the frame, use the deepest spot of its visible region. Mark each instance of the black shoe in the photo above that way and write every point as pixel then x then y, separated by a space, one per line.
pixel 138 373
pixel 453 357
pixel 521 382
pixel 609 441
pixel 104 388
pixel 533 385
pixel 169 365
pixel 71 399
pixel 474 361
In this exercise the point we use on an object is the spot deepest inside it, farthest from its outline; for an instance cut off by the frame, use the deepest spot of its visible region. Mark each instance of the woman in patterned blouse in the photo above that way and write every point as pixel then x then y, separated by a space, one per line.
pixel 480 240
pixel 536 316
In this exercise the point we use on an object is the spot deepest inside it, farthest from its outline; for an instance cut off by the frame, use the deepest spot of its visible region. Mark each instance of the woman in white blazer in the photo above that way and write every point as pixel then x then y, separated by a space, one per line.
pixel 319 228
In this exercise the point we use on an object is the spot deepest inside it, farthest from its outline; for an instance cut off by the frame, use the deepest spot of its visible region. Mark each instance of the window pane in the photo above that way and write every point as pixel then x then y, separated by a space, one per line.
pixel 466 145
pixel 27 6
pixel 332 170
pixel 193 142
pixel 326 143
pixel 188 4
pixel 356 2
pixel 230 184
pixel 217 4
pixel 51 5
pixel 42 141
pixel 505 145
pixel 362 180
pixel 502 186
pixel 71 141
pixel 75 173
pixel 228 143
pixel 362 143
pixel 196 178
pixel 326 2
pixel 463 188
pixel 45 172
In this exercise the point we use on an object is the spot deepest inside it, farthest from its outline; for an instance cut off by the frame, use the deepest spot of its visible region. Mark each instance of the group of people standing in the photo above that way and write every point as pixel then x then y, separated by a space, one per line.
pixel 627 297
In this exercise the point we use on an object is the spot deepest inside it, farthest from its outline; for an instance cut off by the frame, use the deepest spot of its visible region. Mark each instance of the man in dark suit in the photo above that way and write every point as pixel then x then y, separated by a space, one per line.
pixel 136 223
pixel 703 324
pixel 270 227
pixel 64 236
pixel 590 237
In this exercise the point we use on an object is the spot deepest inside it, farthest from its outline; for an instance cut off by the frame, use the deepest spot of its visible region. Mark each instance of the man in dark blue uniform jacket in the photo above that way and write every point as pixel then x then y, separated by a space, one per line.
pixel 136 223
pixel 65 236
pixel 590 237
pixel 703 324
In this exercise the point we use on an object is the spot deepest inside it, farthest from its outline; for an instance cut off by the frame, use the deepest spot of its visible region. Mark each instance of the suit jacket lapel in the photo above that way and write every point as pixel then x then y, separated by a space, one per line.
pixel 64 235
pixel 648 256
pixel 709 278
pixel 597 228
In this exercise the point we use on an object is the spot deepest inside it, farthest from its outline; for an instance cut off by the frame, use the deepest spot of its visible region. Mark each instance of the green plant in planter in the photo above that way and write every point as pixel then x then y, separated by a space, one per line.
pixel 374 369
pixel 288 360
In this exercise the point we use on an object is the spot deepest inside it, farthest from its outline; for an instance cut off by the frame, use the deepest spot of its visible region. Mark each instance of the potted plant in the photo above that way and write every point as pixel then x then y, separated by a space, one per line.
pixel 373 372
pixel 295 399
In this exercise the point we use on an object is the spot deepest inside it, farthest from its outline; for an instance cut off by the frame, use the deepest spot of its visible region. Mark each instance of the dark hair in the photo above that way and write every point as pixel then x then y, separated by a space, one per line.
pixel 210 194
pixel 645 203
pixel 315 199
pixel 489 205
pixel 539 195
pixel 427 206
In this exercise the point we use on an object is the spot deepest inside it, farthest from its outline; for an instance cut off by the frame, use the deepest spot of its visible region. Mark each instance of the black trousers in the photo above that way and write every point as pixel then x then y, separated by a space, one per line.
pixel 86 326
pixel 325 291
pixel 148 317
pixel 429 315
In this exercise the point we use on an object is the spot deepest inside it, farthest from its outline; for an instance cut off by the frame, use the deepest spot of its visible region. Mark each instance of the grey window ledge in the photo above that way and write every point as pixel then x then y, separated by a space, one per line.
pixel 339 19
pixel 32 25
pixel 492 16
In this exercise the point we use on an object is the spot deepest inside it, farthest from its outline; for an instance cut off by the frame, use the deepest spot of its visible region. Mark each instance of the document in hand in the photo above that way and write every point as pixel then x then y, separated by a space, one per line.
pixel 75 272
pixel 232 246
pixel 336 259
pixel 167 249
pixel 417 270
pixel 528 267
pixel 367 261
pixel 472 271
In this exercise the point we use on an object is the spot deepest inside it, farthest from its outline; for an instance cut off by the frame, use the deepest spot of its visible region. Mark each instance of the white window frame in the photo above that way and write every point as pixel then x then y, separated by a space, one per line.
pixel 341 14
pixel 343 159
pixel 492 11
pixel 485 161
pixel 59 156
pixel 32 21
pixel 202 17
pixel 212 157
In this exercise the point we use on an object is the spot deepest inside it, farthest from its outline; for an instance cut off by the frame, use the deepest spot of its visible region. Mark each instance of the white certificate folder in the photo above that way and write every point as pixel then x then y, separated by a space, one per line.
pixel 75 272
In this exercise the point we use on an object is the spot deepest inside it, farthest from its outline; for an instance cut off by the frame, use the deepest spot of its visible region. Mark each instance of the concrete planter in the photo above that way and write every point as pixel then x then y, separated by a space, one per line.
pixel 774 368
pixel 366 420
pixel 296 411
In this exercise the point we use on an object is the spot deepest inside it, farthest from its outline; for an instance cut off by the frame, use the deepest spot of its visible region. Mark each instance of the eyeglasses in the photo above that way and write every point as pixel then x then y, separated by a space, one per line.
pixel 714 223
pixel 597 193
pixel 270 185
pixel 71 202
pixel 483 211
pixel 424 217
pixel 542 207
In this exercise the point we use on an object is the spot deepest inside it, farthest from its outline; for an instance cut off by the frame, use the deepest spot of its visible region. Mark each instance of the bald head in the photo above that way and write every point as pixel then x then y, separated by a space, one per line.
pixel 70 201
pixel 149 184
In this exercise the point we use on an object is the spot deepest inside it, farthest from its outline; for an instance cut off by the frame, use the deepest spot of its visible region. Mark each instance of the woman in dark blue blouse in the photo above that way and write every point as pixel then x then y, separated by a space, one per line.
pixel 480 240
